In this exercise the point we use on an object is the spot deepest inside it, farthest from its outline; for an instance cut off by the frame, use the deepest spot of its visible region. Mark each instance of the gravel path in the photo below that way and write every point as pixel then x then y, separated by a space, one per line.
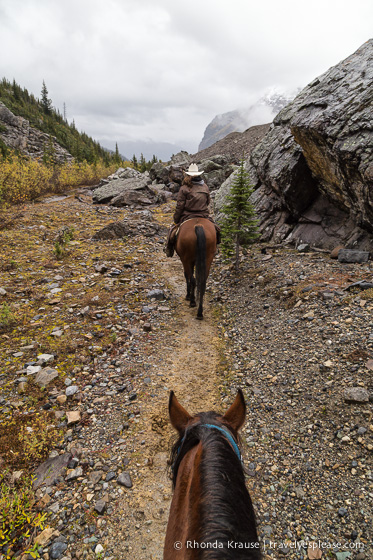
pixel 186 362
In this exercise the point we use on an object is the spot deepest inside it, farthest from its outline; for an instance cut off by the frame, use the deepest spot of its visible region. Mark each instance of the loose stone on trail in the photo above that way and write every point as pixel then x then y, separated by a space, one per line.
pixel 356 395
pixel 124 479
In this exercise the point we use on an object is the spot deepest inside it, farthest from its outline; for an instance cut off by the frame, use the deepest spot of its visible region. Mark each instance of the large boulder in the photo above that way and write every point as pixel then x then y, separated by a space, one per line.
pixel 182 158
pixel 160 173
pixel 313 171
pixel 139 223
pixel 125 192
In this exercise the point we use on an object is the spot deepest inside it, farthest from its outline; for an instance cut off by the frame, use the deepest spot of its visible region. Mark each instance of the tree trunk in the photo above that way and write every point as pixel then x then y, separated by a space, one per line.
pixel 237 262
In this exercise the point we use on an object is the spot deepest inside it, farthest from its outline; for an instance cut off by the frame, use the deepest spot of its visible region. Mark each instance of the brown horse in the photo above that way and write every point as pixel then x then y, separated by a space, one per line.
pixel 196 247
pixel 211 515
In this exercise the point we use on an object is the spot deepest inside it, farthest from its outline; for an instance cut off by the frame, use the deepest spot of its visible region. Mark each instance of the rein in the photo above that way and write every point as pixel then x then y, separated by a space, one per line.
pixel 224 431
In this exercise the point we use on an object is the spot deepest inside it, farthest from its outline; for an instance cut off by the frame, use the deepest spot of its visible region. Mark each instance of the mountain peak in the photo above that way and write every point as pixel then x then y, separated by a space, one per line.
pixel 239 120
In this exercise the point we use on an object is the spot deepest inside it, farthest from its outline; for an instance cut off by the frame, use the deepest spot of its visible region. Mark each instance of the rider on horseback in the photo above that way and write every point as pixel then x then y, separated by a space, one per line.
pixel 192 202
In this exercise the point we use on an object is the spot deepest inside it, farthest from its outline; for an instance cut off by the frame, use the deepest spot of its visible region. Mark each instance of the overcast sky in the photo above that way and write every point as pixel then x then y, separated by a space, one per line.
pixel 162 69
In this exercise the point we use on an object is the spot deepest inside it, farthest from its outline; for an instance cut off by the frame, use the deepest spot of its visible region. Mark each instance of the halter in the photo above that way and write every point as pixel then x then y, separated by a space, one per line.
pixel 225 432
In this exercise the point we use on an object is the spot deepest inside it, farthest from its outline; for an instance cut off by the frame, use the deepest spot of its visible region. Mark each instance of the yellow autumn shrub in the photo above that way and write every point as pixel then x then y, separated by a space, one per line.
pixel 19 520
pixel 24 179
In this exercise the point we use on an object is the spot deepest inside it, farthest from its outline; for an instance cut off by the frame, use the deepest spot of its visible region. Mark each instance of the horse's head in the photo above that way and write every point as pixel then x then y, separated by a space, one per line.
pixel 233 418
pixel 211 503
pixel 195 429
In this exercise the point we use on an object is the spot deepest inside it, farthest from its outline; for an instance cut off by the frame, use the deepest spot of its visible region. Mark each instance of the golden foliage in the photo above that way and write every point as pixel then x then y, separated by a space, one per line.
pixel 27 440
pixel 26 179
pixel 18 520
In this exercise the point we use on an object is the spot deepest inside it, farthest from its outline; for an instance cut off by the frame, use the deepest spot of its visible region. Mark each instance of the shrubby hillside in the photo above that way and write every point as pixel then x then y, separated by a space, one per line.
pixel 43 116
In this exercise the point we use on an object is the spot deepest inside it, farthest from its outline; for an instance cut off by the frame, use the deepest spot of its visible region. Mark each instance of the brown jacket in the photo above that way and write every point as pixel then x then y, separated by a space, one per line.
pixel 192 202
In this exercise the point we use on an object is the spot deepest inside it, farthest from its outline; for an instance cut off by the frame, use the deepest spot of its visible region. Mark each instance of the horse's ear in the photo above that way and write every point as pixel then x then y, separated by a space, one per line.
pixel 178 415
pixel 235 415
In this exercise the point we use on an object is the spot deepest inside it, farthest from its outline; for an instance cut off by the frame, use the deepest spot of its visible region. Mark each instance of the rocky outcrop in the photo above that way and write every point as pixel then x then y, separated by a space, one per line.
pixel 125 192
pixel 17 134
pixel 236 145
pixel 128 187
pixel 313 171
pixel 140 223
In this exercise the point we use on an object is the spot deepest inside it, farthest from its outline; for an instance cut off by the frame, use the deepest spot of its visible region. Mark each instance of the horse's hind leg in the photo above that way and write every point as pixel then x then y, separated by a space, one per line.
pixel 191 287
pixel 193 292
pixel 200 309
pixel 187 297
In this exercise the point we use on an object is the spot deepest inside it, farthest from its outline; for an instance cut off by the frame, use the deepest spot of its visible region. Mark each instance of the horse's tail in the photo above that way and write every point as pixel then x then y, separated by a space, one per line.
pixel 201 262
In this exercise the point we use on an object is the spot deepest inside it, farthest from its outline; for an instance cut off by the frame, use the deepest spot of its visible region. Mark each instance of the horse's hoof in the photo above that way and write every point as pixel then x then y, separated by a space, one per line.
pixel 193 304
pixel 200 317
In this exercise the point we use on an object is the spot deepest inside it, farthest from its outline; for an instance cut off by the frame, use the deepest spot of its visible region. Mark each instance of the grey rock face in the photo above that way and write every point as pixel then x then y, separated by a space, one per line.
pixel 313 171
pixel 350 256
pixel 18 134
pixel 182 158
pixel 122 192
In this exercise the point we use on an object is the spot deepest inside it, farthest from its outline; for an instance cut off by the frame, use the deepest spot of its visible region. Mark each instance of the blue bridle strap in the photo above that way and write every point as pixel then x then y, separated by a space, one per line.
pixel 229 437
pixel 225 432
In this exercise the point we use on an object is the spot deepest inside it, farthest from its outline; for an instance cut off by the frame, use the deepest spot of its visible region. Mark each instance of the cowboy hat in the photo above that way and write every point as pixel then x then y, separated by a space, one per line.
pixel 193 170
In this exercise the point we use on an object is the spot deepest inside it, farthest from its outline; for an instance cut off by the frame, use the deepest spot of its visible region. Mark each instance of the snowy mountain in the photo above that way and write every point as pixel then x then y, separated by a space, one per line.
pixel 261 112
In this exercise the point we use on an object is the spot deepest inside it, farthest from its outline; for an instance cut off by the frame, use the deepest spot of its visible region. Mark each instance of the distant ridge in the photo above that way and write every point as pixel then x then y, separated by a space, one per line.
pixel 235 145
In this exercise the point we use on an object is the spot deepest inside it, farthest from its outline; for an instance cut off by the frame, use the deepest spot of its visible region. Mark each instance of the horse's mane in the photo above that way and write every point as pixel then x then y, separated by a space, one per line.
pixel 227 511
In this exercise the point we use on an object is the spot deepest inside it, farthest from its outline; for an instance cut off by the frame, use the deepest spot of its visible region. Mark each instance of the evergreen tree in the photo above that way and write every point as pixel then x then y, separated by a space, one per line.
pixel 117 158
pixel 16 91
pixel 134 162
pixel 45 102
pixel 142 164
pixel 239 225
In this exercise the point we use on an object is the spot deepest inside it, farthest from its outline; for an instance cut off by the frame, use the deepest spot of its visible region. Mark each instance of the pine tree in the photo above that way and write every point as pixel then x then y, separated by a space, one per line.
pixel 239 225
pixel 117 159
pixel 142 163
pixel 45 102
pixel 134 162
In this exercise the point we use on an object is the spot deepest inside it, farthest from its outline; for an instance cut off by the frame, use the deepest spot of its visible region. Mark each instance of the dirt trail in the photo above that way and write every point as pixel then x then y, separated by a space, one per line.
pixel 190 369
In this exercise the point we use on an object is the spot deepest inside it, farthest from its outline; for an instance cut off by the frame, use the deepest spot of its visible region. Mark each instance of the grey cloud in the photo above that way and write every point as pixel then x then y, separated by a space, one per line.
pixel 136 69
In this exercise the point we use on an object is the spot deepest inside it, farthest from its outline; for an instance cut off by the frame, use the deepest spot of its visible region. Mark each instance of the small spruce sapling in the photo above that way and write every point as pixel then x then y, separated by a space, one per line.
pixel 239 225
